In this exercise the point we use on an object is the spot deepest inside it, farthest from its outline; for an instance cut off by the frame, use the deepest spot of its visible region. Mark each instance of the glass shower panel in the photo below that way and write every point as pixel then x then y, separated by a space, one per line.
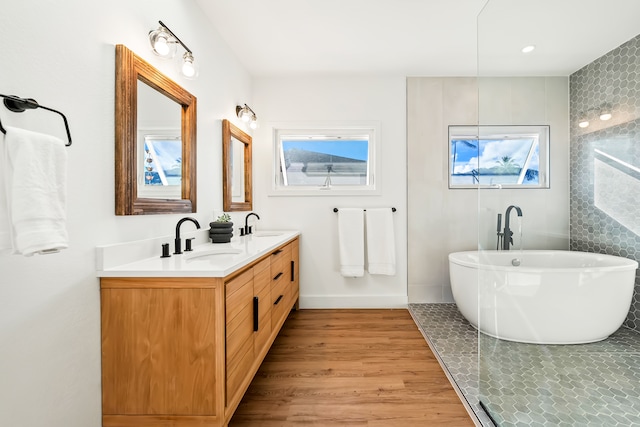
pixel 518 382
pixel 526 377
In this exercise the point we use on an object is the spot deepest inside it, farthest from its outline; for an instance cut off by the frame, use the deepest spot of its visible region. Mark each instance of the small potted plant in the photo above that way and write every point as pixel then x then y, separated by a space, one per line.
pixel 221 229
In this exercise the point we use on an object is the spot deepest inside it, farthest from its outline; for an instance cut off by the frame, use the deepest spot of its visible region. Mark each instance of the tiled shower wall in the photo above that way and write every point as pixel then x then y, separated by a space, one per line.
pixel 605 159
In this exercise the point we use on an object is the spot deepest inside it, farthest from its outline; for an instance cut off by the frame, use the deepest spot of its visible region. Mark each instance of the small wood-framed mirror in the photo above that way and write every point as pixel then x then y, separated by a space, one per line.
pixel 135 165
pixel 236 168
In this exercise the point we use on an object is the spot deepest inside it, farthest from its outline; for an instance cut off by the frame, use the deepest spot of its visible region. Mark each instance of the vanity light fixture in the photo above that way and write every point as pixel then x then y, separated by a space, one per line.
pixel 163 43
pixel 247 115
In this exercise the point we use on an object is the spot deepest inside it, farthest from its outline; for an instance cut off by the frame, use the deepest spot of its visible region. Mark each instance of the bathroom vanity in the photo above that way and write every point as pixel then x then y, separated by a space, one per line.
pixel 182 337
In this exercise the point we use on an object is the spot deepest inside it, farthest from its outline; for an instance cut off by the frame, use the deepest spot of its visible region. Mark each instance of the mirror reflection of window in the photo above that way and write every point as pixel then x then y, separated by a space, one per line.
pixel 237 170
pixel 159 154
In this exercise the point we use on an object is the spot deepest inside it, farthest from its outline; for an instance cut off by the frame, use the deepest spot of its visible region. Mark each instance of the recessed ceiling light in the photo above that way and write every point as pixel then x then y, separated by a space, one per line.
pixel 528 49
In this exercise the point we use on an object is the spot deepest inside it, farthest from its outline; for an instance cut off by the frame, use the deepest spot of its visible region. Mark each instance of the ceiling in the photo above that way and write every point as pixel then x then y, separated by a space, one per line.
pixel 421 37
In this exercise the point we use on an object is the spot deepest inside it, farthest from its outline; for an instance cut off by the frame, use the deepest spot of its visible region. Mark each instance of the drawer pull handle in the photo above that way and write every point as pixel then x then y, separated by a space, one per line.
pixel 277 252
pixel 278 300
pixel 256 306
pixel 293 269
pixel 277 276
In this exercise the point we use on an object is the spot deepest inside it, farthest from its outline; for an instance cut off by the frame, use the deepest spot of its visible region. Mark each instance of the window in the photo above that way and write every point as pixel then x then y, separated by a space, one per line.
pixel 499 156
pixel 329 161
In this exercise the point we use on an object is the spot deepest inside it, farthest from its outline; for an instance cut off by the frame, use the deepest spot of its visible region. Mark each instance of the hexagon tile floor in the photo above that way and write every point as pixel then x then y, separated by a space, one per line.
pixel 533 385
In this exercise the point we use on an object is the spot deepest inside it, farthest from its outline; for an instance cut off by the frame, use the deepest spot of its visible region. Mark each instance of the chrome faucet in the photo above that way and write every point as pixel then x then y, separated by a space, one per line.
pixel 247 228
pixel 508 234
pixel 178 242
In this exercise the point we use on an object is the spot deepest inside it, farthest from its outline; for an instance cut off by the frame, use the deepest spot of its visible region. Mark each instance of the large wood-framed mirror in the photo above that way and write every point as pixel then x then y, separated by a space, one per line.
pixel 155 160
pixel 236 168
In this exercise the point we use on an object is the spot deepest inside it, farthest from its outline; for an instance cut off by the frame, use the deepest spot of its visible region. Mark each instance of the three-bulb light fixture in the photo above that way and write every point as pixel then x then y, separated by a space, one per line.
pixel 164 44
pixel 246 114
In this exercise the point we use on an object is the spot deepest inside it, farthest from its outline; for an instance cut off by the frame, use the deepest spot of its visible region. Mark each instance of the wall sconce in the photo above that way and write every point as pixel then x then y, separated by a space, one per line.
pixel 605 113
pixel 584 122
pixel 247 115
pixel 163 43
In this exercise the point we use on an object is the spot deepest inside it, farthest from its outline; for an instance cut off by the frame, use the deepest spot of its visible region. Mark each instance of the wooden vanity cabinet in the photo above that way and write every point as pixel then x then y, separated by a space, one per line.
pixel 181 352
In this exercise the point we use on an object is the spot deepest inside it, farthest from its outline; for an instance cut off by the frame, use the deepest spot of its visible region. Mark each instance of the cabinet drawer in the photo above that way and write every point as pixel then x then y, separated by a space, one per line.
pixel 281 297
pixel 237 301
pixel 280 263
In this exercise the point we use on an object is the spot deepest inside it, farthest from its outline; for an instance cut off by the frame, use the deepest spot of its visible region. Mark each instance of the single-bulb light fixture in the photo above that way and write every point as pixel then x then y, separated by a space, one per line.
pixel 528 49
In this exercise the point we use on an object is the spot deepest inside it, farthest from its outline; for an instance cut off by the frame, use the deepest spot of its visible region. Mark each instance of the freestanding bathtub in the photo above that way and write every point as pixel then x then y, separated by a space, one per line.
pixel 543 297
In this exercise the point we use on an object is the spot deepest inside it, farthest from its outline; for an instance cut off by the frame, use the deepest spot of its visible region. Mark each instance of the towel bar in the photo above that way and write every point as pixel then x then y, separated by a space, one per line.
pixel 18 105
pixel 392 209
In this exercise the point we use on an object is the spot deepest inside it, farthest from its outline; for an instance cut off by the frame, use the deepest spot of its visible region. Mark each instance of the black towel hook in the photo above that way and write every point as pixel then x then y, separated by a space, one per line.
pixel 18 105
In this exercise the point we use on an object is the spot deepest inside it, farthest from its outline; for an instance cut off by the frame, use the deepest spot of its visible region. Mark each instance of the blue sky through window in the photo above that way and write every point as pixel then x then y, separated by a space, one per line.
pixel 352 149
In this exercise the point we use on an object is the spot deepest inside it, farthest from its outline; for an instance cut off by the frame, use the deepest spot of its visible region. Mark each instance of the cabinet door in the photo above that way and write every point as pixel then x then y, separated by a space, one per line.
pixel 158 350
pixel 239 323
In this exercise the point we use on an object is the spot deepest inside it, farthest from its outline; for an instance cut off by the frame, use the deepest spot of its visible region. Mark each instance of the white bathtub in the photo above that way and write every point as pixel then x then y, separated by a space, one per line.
pixel 552 297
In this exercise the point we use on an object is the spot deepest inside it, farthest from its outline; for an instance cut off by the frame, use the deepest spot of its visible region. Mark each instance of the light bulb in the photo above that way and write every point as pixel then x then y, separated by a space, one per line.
pixel 162 43
pixel 189 69
pixel 253 124
pixel 245 115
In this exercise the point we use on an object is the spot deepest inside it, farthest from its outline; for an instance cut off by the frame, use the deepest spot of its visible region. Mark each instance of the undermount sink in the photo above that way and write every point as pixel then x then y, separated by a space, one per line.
pixel 267 233
pixel 211 254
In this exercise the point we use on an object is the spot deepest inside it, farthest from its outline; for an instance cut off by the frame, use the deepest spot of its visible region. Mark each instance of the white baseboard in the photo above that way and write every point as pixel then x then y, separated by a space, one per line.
pixel 353 301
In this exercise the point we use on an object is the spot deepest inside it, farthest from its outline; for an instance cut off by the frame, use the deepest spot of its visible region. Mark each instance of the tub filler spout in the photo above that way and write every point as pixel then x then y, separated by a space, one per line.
pixel 508 234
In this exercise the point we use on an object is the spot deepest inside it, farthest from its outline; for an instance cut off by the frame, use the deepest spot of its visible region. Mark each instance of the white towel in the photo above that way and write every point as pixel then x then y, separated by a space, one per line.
pixel 381 249
pixel 351 240
pixel 35 174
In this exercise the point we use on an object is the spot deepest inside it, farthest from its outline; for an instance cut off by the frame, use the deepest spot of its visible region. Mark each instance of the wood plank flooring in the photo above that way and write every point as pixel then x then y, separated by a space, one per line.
pixel 350 368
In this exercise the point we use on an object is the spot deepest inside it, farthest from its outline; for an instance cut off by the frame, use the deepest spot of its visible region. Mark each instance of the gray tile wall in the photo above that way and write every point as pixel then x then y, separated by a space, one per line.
pixel 605 193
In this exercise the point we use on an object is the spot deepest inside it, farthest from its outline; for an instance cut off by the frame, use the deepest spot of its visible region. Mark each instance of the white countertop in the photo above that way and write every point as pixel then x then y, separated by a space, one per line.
pixel 142 258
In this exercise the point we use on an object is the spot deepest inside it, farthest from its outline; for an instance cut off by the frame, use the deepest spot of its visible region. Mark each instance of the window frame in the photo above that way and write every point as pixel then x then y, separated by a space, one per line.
pixel 504 132
pixel 371 129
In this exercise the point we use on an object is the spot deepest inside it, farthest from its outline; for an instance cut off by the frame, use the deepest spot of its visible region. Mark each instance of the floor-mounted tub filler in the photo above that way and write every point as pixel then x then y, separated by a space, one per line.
pixel 543 297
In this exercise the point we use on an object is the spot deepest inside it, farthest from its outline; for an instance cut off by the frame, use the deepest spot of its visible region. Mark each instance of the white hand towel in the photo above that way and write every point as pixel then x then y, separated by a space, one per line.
pixel 35 184
pixel 351 240
pixel 381 249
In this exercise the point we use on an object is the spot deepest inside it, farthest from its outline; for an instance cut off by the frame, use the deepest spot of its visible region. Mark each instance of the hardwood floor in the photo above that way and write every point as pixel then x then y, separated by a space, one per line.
pixel 350 368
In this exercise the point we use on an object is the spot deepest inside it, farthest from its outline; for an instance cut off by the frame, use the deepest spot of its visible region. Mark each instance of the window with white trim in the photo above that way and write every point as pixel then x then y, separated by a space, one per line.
pixel 314 161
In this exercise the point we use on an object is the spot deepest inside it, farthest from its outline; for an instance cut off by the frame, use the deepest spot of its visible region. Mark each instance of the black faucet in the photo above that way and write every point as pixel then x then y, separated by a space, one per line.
pixel 508 239
pixel 178 242
pixel 247 229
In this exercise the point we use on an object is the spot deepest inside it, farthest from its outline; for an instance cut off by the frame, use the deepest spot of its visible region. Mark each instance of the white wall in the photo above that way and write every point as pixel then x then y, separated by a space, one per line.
pixel 62 54
pixel 328 100
pixel 441 220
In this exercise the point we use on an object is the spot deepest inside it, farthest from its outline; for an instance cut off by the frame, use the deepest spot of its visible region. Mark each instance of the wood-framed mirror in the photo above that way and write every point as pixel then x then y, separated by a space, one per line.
pixel 153 176
pixel 236 169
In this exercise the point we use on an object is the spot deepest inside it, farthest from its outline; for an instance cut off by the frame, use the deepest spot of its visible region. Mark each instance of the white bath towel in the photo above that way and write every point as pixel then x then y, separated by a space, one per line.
pixel 35 174
pixel 381 248
pixel 351 241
